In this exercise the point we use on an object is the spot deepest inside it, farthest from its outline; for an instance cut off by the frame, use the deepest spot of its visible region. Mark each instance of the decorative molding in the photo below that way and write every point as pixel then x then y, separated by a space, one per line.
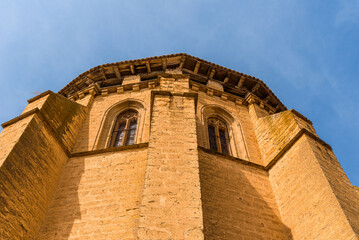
pixel 37 113
pixel 239 160
pixel 18 118
pixel 292 142
pixel 107 150
pixel 277 158
pixel 199 70
pixel 39 96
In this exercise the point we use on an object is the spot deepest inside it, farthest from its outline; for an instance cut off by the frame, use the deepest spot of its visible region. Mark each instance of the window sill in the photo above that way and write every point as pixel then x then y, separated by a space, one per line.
pixel 239 160
pixel 112 149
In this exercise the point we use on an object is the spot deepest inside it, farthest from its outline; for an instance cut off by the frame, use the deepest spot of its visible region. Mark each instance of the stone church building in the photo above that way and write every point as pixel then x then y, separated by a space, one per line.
pixel 169 147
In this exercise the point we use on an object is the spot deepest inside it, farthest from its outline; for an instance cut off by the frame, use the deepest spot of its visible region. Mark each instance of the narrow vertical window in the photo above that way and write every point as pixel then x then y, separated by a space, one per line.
pixel 223 140
pixel 218 135
pixel 212 137
pixel 124 131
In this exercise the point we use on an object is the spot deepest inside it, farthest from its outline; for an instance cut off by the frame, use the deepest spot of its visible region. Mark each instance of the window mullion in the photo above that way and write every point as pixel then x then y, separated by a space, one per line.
pixel 218 140
pixel 124 139
pixel 115 132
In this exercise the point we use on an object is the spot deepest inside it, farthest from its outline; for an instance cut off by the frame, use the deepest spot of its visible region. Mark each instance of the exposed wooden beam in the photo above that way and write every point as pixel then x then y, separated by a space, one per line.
pixel 88 80
pixel 255 88
pixel 148 66
pixel 196 67
pixel 103 73
pixel 241 81
pixel 164 64
pixel 132 67
pixel 266 99
pixel 117 72
pixel 211 74
pixel 226 79
pixel 183 58
pixel 75 87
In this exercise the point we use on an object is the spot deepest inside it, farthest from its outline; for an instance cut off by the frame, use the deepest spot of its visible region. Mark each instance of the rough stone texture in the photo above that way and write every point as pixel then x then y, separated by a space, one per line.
pixel 92 126
pixel 280 182
pixel 10 135
pixel 86 100
pixel 215 85
pixel 171 204
pixel 64 117
pixel 275 131
pixel 311 188
pixel 131 79
pixel 356 189
pixel 339 182
pixel 36 104
pixel 28 181
pixel 243 138
pixel 305 197
pixel 238 202
pixel 98 197
pixel 32 161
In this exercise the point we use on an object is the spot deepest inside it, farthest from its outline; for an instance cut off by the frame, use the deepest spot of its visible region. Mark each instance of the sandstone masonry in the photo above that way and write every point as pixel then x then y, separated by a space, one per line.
pixel 61 177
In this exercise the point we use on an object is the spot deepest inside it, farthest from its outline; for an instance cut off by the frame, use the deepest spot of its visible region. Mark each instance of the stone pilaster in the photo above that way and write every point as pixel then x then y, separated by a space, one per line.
pixel 171 206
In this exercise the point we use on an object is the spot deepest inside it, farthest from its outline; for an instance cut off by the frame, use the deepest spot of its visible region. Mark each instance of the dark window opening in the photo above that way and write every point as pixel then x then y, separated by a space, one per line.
pixel 218 136
pixel 124 131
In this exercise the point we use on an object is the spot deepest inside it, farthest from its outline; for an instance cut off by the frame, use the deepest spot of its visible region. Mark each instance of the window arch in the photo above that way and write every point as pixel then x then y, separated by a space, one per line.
pixel 233 132
pixel 218 135
pixel 109 119
pixel 124 131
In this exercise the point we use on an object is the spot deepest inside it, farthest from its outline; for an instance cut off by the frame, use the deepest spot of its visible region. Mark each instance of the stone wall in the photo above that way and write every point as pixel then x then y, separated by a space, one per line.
pixel 35 152
pixel 58 172
pixel 305 197
pixel 238 201
pixel 98 197
pixel 93 126
pixel 243 137
pixel 171 205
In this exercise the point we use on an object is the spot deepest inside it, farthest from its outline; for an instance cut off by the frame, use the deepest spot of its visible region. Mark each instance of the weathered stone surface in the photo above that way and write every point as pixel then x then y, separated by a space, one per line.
pixel 238 202
pixel 98 197
pixel 305 198
pixel 60 178
pixel 171 205
pixel 32 158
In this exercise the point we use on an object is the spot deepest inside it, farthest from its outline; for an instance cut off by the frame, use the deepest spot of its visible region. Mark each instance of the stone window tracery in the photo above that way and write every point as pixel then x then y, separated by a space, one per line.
pixel 124 131
pixel 218 135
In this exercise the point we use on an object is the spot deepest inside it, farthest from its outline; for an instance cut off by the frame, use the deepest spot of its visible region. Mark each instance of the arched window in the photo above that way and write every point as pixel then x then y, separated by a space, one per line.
pixel 124 131
pixel 218 135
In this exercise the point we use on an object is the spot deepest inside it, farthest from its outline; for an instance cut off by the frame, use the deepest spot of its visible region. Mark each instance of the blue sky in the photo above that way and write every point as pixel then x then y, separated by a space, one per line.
pixel 307 52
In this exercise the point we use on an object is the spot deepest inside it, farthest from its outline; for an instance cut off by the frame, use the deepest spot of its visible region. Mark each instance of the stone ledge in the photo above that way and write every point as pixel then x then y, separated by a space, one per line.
pixel 52 132
pixel 239 160
pixel 39 96
pixel 37 112
pixel 18 118
pixel 169 93
pixel 173 75
pixel 298 114
pixel 277 157
pixel 291 143
pixel 106 150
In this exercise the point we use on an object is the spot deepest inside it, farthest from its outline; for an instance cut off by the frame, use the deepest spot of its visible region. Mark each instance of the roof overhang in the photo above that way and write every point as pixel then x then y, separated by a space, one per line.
pixel 200 71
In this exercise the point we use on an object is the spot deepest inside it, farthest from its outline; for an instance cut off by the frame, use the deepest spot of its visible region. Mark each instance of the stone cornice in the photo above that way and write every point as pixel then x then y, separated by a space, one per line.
pixel 277 157
pixel 36 112
pixel 111 75
pixel 94 89
pixel 39 96
pixel 107 150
